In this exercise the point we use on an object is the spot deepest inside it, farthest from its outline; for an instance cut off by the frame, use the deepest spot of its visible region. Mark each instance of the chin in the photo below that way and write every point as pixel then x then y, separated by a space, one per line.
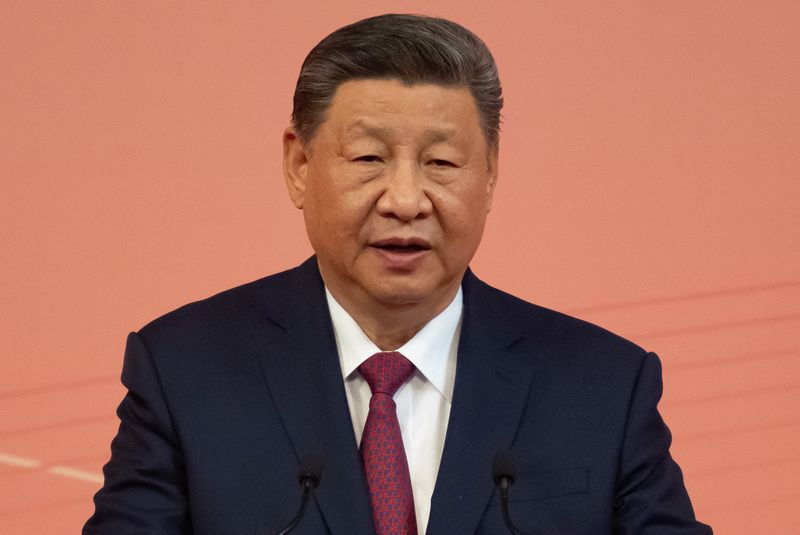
pixel 401 298
pixel 401 294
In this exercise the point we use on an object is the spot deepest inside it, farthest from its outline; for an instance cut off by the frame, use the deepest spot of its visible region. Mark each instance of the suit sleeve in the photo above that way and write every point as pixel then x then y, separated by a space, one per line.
pixel 145 480
pixel 651 498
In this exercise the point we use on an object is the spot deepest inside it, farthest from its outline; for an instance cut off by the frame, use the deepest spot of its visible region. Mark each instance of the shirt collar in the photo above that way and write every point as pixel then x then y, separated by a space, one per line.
pixel 432 350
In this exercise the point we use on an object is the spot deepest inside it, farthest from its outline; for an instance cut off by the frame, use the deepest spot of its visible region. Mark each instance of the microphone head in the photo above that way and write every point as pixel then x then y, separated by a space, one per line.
pixel 504 466
pixel 310 471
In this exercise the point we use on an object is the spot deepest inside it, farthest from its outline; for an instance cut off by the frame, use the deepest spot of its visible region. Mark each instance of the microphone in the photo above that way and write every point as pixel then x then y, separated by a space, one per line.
pixel 503 470
pixel 308 475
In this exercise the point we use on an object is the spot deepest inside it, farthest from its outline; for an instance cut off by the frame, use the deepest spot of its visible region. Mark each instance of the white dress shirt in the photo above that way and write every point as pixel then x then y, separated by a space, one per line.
pixel 423 402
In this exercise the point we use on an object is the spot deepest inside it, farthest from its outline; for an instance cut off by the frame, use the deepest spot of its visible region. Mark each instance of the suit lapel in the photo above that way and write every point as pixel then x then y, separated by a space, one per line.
pixel 305 381
pixel 491 389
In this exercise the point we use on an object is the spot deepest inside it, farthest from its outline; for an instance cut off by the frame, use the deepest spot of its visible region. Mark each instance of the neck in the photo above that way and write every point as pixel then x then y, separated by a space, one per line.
pixel 389 325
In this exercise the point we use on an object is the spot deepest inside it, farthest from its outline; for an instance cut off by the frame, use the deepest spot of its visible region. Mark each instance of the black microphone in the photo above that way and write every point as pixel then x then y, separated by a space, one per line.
pixel 308 475
pixel 503 470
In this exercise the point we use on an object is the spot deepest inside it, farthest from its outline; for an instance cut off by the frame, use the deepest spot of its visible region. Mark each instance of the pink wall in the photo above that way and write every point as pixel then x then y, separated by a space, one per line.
pixel 648 183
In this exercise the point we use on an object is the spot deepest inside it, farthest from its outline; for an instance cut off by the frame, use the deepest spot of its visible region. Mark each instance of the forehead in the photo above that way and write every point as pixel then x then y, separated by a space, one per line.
pixel 375 107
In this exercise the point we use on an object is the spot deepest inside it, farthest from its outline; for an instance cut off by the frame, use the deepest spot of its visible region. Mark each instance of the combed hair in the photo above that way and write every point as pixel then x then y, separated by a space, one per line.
pixel 414 49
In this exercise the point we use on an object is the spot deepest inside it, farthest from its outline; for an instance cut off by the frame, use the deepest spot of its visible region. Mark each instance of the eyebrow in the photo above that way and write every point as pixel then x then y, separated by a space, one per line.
pixel 434 135
pixel 362 127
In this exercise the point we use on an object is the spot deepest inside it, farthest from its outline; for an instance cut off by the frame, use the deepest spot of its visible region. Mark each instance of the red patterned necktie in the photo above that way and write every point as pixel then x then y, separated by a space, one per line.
pixel 382 453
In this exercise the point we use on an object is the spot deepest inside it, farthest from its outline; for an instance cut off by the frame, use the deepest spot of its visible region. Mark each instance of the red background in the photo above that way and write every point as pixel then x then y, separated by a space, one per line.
pixel 648 183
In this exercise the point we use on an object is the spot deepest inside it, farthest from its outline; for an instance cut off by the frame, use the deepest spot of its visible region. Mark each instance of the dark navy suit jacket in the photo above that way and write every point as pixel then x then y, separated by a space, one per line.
pixel 227 394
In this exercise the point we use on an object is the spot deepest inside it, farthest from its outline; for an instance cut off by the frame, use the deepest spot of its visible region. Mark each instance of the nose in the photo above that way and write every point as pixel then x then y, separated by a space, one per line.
pixel 404 195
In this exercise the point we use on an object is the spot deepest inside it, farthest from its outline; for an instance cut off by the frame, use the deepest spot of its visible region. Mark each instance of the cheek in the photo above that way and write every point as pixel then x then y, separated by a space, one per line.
pixel 339 215
pixel 463 210
pixel 324 198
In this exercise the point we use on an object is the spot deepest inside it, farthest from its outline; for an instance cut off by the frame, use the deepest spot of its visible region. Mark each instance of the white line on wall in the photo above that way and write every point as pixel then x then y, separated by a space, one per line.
pixel 74 473
pixel 65 471
pixel 21 462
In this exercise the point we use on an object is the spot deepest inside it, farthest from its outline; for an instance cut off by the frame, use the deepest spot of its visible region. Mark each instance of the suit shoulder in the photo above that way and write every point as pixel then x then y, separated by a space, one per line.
pixel 574 335
pixel 267 299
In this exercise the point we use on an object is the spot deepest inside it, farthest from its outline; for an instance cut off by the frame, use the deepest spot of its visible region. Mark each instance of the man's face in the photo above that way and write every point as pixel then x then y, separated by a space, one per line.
pixel 395 187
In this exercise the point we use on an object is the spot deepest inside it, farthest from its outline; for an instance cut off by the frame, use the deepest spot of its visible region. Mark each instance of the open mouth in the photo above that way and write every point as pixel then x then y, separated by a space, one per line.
pixel 398 245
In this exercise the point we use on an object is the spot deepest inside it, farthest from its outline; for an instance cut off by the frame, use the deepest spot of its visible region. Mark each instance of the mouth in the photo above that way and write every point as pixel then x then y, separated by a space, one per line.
pixel 401 245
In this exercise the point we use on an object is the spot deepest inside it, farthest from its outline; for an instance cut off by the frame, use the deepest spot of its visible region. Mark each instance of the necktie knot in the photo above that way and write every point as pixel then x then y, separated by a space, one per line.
pixel 386 372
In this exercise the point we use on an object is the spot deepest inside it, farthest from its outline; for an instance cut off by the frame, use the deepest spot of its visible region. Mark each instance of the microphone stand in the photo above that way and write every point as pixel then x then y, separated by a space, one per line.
pixel 503 470
pixel 309 477
pixel 503 484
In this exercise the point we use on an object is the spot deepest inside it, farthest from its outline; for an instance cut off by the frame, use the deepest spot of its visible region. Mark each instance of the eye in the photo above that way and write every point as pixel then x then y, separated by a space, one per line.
pixel 442 163
pixel 368 158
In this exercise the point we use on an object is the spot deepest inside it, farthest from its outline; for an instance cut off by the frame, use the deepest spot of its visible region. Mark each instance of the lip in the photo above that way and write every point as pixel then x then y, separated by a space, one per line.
pixel 420 243
pixel 401 254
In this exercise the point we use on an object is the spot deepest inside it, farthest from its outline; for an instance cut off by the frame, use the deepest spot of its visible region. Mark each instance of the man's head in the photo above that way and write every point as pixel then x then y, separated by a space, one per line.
pixel 393 160
pixel 411 48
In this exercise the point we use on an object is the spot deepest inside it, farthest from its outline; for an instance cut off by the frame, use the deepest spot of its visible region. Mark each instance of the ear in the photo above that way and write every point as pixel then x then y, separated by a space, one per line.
pixel 295 166
pixel 492 178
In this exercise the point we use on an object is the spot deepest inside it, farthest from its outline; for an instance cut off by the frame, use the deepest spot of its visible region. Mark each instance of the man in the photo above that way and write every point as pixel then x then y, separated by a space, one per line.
pixel 383 358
